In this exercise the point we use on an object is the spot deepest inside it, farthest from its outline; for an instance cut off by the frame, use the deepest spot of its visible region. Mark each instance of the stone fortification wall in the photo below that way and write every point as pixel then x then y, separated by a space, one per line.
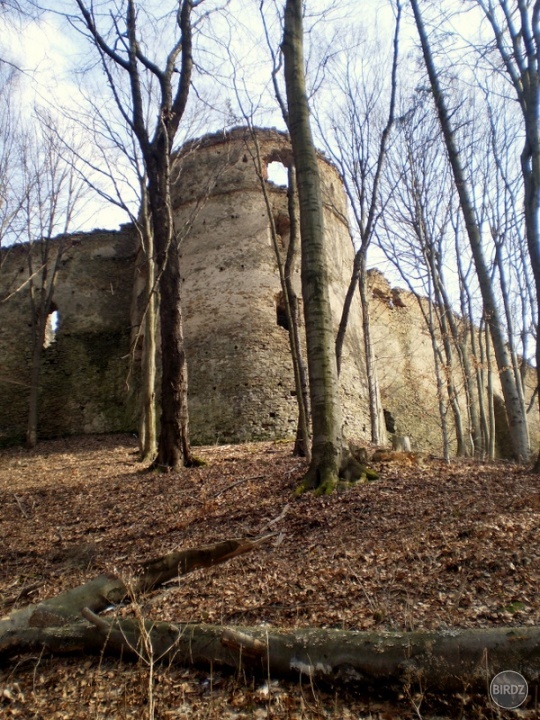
pixel 241 378
pixel 241 381
pixel 84 371
pixel 406 372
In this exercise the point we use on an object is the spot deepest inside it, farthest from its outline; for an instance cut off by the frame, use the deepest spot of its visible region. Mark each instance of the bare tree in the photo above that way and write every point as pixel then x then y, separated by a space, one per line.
pixel 358 145
pixel 12 186
pixel 290 228
pixel 516 36
pixel 114 169
pixel 52 193
pixel 498 176
pixel 517 421
pixel 121 51
pixel 416 222
pixel 327 445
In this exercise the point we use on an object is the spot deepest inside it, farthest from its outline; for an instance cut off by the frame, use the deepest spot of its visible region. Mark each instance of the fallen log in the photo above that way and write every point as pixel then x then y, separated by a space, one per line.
pixel 446 661
pixel 106 590
pixel 161 570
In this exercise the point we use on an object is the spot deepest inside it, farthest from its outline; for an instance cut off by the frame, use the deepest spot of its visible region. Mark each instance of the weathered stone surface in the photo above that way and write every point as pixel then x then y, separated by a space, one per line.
pixel 240 371
pixel 241 380
pixel 406 372
pixel 84 371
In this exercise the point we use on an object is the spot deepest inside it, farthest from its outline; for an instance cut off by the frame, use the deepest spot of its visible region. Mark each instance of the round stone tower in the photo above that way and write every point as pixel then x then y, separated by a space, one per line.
pixel 241 383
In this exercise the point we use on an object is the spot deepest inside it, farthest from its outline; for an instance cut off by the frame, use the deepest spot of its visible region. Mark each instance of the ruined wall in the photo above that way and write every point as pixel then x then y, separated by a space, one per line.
pixel 84 371
pixel 240 371
pixel 241 380
pixel 406 372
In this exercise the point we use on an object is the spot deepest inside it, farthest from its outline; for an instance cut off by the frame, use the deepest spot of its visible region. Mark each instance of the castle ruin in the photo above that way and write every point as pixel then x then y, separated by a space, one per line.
pixel 241 384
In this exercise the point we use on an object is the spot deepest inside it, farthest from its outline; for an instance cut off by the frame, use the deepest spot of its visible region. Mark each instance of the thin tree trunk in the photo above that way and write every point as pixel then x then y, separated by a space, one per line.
pixel 461 449
pixel 530 162
pixel 366 222
pixel 475 432
pixel 517 420
pixel 485 356
pixel 174 445
pixel 358 263
pixel 475 396
pixel 149 444
pixel 302 446
pixel 327 446
pixel 473 407
pixel 290 300
pixel 377 424
pixel 519 47
pixel 438 376
pixel 156 149
pixel 444 313
pixel 484 393
pixel 148 365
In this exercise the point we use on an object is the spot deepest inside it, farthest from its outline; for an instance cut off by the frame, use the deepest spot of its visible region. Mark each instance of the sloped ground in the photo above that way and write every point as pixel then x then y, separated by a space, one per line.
pixel 427 546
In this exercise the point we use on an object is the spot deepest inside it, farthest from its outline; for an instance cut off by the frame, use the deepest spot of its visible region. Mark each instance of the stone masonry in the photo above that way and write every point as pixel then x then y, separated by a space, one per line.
pixel 240 371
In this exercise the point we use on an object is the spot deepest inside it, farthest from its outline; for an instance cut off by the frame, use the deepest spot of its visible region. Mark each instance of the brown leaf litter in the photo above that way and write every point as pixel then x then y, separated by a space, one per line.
pixel 428 546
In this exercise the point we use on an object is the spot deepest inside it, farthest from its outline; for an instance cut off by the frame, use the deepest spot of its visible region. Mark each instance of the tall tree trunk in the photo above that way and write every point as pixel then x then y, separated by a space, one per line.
pixel 148 439
pixel 327 445
pixel 376 416
pixel 358 263
pixel 461 449
pixel 473 384
pixel 302 443
pixel 517 420
pixel 490 399
pixel 530 164
pixel 518 43
pixel 465 363
pixel 156 149
pixel 174 445
pixel 366 219
pixel 444 316
pixel 437 360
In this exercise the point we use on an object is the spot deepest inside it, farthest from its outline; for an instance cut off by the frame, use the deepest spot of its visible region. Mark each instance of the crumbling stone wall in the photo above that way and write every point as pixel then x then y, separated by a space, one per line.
pixel 85 368
pixel 240 371
pixel 406 372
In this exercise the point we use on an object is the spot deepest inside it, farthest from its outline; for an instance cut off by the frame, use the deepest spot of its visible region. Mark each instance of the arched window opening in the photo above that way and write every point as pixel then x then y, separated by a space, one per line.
pixel 51 328
pixel 277 173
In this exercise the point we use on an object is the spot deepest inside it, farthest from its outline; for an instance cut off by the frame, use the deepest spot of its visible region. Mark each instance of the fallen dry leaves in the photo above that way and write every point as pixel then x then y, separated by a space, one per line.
pixel 430 546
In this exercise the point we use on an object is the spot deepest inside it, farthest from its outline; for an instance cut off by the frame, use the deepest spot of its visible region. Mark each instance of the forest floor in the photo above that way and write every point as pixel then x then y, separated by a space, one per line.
pixel 429 545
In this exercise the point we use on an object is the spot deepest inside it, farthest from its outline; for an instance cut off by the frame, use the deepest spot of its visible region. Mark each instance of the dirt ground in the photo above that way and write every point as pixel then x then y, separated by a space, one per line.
pixel 428 545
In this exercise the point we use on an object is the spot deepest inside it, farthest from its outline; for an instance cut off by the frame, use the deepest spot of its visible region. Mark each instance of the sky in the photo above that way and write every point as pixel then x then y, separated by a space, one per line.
pixel 51 56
